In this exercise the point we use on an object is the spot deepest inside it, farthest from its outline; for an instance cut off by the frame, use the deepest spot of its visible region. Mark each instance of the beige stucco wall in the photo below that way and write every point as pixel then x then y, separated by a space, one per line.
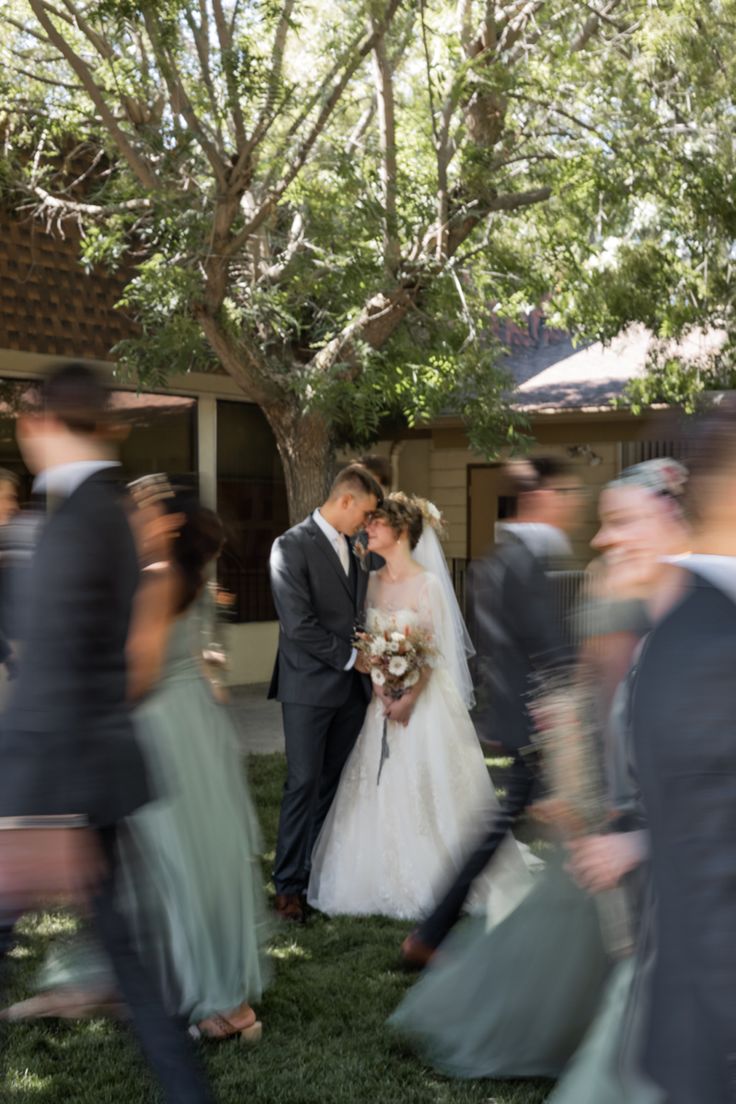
pixel 251 651
pixel 438 469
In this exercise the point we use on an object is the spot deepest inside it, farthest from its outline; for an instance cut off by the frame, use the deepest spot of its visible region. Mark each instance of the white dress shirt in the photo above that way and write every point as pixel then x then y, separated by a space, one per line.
pixel 339 542
pixel 62 480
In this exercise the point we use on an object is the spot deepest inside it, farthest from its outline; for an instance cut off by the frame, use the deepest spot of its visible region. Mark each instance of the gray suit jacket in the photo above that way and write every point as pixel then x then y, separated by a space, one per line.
pixel 318 606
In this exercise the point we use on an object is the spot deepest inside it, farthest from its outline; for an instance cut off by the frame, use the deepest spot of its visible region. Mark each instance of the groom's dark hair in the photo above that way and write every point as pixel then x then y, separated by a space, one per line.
pixel 356 480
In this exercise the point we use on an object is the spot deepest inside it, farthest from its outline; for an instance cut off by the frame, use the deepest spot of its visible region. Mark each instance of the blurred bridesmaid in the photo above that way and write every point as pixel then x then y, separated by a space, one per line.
pixel 199 911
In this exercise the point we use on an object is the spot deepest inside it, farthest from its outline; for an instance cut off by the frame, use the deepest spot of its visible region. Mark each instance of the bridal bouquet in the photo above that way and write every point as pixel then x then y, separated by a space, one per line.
pixel 396 658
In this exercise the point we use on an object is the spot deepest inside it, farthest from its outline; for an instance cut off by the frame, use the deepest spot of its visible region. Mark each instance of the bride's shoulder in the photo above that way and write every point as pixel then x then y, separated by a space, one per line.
pixel 424 577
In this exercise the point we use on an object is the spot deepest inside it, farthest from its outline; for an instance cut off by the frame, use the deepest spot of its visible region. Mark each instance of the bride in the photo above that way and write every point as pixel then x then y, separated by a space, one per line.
pixel 393 837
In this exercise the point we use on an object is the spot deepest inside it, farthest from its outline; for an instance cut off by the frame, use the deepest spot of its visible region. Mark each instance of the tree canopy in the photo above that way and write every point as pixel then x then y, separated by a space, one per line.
pixel 330 198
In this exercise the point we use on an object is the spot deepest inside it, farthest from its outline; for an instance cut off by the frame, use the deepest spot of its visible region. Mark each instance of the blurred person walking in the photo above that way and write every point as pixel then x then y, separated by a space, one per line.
pixel 683 716
pixel 199 915
pixel 518 999
pixel 642 526
pixel 72 770
pixel 518 634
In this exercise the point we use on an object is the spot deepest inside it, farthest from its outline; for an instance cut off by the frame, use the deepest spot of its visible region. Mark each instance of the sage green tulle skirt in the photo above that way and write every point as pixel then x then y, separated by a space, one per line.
pixel 195 900
pixel 514 1001
pixel 605 1068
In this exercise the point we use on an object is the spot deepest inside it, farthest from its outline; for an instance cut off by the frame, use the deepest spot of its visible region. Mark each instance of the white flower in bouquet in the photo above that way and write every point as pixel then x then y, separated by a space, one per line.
pixel 411 679
pixel 378 677
pixel 378 646
pixel 398 637
pixel 398 666
pixel 393 647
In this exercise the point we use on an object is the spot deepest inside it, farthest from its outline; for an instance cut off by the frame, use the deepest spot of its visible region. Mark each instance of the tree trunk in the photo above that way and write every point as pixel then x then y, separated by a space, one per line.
pixel 307 455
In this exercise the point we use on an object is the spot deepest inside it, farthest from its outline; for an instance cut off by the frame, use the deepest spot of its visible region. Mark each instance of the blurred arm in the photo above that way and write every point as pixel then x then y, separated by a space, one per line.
pixel 153 613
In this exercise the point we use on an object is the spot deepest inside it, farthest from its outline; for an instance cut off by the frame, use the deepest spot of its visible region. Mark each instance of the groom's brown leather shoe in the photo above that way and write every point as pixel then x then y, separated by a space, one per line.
pixel 290 906
pixel 415 954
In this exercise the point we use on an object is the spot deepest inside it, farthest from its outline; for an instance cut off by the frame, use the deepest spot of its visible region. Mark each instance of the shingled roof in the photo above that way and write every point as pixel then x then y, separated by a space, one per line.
pixel 553 375
pixel 48 304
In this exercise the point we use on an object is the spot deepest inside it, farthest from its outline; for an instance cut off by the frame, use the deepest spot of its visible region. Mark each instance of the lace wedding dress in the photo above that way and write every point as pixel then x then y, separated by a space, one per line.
pixel 390 847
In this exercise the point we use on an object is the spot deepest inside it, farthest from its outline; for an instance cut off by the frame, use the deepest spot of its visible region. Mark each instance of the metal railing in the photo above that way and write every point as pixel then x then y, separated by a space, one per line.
pixel 570 589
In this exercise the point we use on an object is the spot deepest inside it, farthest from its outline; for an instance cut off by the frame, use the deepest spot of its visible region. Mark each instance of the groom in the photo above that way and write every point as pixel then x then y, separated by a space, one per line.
pixel 319 592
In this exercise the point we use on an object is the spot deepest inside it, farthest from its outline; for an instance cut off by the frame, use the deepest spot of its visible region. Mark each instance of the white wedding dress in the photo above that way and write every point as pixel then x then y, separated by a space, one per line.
pixel 392 847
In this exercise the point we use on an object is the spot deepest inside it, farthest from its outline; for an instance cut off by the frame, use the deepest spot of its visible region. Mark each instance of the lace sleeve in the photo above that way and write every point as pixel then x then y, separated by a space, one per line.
pixel 429 607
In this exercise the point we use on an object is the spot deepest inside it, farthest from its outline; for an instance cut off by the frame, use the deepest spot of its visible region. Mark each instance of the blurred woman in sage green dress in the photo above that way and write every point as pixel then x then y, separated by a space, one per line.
pixel 198 912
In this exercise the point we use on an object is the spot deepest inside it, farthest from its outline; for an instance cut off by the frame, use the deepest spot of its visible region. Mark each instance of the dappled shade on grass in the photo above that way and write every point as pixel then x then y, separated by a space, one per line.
pixel 326 1040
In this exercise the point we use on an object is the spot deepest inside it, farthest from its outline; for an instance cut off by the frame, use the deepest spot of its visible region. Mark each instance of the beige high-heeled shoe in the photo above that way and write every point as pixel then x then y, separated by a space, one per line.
pixel 241 1021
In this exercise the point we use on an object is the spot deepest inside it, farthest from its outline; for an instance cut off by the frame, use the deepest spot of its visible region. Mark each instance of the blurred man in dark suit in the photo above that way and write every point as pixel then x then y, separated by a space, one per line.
pixel 72 770
pixel 518 635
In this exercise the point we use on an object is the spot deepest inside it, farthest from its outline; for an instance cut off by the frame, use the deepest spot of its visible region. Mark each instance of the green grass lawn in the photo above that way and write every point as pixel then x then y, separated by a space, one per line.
pixel 335 982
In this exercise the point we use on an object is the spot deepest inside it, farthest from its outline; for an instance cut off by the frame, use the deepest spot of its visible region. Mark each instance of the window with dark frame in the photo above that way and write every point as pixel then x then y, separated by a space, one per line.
pixel 251 500
pixel 161 432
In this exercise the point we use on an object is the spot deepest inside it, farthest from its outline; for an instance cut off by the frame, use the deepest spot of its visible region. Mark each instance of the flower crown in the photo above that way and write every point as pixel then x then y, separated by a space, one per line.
pixel 432 515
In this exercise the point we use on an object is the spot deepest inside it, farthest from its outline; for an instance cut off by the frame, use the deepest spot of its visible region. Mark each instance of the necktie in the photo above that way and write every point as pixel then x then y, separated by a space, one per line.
pixel 343 552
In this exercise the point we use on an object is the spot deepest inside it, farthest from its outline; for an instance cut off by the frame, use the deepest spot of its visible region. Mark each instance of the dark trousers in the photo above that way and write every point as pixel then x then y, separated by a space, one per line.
pixel 7 931
pixel 520 784
pixel 164 1040
pixel 319 740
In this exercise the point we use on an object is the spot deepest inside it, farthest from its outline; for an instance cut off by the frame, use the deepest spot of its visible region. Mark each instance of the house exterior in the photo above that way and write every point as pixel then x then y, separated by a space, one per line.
pixel 202 432
pixel 567 394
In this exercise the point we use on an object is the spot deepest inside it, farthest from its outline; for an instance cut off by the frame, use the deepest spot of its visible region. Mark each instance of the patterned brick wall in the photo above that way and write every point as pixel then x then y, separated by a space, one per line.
pixel 48 304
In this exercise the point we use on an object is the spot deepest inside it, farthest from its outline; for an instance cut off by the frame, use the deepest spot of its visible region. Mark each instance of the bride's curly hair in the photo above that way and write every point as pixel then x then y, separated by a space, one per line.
pixel 402 513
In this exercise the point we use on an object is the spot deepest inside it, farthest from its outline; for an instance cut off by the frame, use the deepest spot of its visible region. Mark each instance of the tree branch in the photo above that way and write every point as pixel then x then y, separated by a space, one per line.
pixel 100 44
pixel 383 77
pixel 296 243
pixel 384 312
pixel 46 80
pixel 239 359
pixel 277 61
pixel 139 164
pixel 591 26
pixel 180 102
pixel 225 38
pixel 201 36
pixel 73 207
pixel 360 128
pixel 300 157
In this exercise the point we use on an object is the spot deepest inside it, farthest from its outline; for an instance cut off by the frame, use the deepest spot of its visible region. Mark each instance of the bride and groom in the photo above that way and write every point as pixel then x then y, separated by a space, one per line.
pixel 350 841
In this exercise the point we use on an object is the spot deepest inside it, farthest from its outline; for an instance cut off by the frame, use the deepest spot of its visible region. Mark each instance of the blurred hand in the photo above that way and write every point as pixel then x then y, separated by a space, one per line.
pixel 558 815
pixel 363 664
pixel 400 711
pixel 154 531
pixel 598 863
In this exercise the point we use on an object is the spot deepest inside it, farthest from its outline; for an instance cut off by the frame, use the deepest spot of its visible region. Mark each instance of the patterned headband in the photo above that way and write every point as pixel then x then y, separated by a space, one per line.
pixel 663 476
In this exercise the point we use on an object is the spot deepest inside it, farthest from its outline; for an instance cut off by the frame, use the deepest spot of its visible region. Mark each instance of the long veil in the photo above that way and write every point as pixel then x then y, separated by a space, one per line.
pixel 458 648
